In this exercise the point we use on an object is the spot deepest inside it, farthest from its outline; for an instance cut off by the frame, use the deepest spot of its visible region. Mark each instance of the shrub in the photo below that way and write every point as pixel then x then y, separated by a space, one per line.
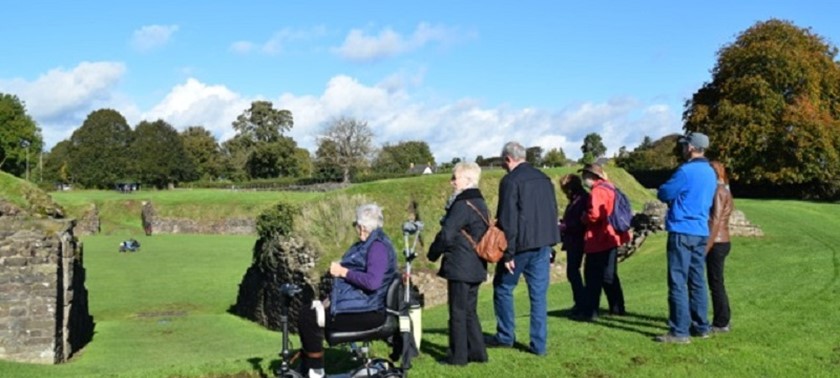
pixel 277 220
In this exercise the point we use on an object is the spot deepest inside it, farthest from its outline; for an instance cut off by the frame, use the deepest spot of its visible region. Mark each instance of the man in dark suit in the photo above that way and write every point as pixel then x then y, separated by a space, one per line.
pixel 527 213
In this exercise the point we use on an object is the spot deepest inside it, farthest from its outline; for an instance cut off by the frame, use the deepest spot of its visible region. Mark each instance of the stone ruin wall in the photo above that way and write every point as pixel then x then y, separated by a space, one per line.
pixel 44 315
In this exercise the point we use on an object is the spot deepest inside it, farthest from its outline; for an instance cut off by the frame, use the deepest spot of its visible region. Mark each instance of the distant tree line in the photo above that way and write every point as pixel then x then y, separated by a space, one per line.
pixel 771 110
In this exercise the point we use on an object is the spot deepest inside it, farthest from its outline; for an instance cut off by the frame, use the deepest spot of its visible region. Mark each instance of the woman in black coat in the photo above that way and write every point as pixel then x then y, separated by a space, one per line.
pixel 571 232
pixel 466 214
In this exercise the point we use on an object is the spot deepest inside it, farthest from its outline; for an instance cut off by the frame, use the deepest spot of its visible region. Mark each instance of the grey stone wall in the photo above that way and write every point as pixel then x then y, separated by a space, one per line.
pixel 44 314
pixel 228 226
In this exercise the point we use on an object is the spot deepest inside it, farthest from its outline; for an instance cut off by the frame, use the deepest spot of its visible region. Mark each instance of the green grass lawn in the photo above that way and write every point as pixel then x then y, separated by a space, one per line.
pixel 163 312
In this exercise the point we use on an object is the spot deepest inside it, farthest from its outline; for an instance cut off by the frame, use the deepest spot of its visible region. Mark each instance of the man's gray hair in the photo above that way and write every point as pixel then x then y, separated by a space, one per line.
pixel 514 150
pixel 470 171
pixel 369 216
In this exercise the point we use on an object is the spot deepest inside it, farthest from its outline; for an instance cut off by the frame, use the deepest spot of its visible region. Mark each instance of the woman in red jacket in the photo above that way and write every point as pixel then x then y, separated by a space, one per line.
pixel 600 245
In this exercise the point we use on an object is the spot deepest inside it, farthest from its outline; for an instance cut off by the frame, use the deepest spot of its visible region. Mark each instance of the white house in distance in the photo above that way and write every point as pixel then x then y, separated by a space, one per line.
pixel 422 169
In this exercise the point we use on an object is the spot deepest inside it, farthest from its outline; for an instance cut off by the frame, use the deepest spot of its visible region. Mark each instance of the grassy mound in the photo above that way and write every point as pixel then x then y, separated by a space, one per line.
pixel 28 196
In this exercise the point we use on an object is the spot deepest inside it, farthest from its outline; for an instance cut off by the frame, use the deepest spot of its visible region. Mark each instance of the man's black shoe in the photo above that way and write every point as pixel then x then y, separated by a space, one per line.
pixel 448 362
pixel 584 318
pixel 493 342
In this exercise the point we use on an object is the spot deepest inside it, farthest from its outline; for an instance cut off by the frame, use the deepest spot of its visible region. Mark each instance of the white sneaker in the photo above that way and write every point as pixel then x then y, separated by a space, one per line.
pixel 316 373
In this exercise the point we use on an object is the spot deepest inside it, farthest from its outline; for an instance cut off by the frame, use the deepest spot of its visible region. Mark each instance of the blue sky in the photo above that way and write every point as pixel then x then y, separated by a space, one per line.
pixel 463 76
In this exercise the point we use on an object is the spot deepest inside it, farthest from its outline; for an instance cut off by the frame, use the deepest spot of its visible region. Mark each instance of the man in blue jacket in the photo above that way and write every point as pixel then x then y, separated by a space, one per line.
pixel 527 213
pixel 689 194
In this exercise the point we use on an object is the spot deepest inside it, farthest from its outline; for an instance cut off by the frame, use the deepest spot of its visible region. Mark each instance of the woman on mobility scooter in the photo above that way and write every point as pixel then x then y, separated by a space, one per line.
pixel 357 299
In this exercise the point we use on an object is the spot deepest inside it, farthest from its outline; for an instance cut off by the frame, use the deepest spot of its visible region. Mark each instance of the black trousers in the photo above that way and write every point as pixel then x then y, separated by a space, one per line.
pixel 601 272
pixel 466 341
pixel 714 272
pixel 312 336
pixel 574 260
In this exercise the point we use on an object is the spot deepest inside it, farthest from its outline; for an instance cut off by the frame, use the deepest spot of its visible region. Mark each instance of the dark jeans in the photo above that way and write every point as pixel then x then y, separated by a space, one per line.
pixel 466 342
pixel 714 271
pixel 312 336
pixel 574 260
pixel 601 272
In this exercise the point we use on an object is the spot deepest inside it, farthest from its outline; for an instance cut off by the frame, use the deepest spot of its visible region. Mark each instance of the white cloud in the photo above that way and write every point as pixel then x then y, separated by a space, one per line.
pixel 242 47
pixel 280 41
pixel 197 104
pixel 359 46
pixel 150 37
pixel 60 99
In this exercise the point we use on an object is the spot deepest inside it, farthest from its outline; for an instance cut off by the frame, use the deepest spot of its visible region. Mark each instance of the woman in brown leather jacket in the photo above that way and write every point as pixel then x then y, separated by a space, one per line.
pixel 718 248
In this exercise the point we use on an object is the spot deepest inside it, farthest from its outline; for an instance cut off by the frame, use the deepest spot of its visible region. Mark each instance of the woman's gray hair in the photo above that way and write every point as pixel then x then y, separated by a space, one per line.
pixel 469 171
pixel 515 150
pixel 369 216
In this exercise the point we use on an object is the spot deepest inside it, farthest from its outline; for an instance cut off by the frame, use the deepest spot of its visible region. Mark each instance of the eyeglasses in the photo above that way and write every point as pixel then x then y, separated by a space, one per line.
pixel 452 178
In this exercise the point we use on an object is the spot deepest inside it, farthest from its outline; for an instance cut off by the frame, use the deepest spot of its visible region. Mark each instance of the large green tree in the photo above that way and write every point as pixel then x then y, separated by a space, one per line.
pixel 772 107
pixel 20 137
pixel 273 159
pixel 661 154
pixel 203 151
pixel 555 157
pixel 260 144
pixel 262 123
pixel 533 155
pixel 158 155
pixel 99 150
pixel 592 148
pixel 57 162
pixel 324 165
pixel 397 158
pixel 235 153
pixel 352 145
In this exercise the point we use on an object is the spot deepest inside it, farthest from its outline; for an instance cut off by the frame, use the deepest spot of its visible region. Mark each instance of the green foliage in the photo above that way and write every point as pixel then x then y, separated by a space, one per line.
pixel 659 155
pixel 273 159
pixel 159 157
pixel 587 158
pixel 203 152
pixel 303 162
pixel 555 157
pixel 772 108
pixel 533 155
pixel 325 156
pixel 56 163
pixel 20 137
pixel 278 220
pixel 399 157
pixel 28 197
pixel 262 123
pixel 328 225
pixel 593 145
pixel 235 153
pixel 99 150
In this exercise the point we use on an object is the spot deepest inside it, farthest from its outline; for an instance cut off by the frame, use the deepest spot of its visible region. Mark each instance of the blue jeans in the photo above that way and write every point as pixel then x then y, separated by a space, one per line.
pixel 535 264
pixel 687 296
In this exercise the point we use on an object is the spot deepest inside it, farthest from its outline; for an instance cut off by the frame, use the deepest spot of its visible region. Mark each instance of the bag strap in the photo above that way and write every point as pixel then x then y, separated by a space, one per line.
pixel 479 213
pixel 467 234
